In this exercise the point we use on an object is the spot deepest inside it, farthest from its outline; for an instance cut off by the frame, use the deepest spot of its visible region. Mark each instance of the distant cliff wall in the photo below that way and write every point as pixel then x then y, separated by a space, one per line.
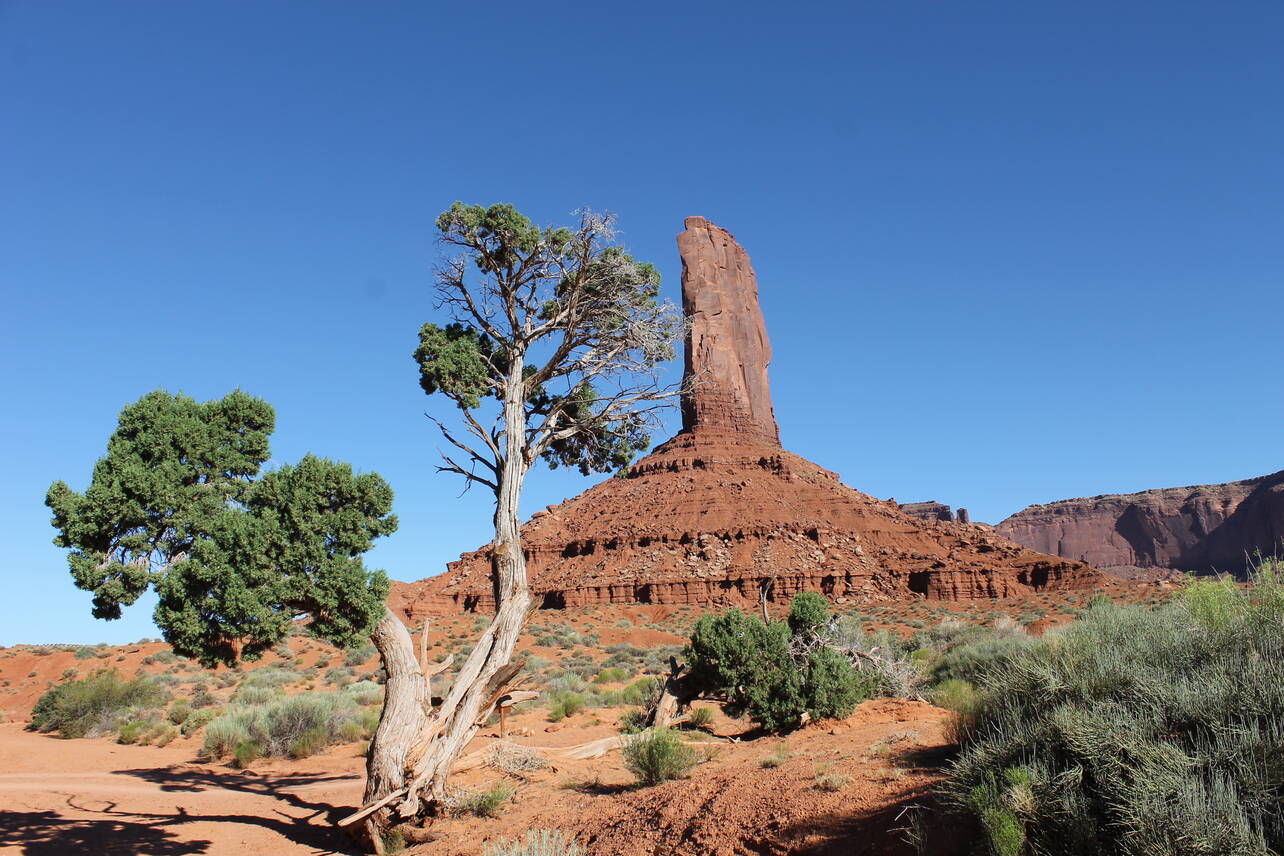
pixel 1199 528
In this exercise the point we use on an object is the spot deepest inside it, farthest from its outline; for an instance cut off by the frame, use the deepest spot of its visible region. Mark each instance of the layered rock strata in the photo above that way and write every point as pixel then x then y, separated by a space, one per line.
pixel 721 513
pixel 1199 528
pixel 933 510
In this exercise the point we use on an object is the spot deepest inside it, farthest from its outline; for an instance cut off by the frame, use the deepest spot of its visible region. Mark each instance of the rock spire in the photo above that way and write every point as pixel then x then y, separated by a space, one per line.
pixel 727 350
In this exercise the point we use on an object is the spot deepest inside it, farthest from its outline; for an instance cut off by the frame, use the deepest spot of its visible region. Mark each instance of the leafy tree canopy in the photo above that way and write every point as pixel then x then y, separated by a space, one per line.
pixel 580 316
pixel 178 504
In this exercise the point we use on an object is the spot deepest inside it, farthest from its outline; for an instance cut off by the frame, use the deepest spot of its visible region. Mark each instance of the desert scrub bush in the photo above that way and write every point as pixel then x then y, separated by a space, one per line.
pixel 512 758
pixel 564 704
pixel 179 711
pixel 270 676
pixel 972 660
pixel 93 705
pixel 538 842
pixel 1137 730
pixel 295 726
pixel 611 675
pixel 483 803
pixel 700 718
pixel 658 755
pixel 633 721
pixel 198 719
pixel 365 692
pixel 774 673
pixel 358 656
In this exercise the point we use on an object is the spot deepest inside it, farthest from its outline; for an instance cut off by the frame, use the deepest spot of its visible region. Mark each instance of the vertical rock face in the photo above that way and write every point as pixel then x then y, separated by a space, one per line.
pixel 1199 528
pixel 721 514
pixel 727 349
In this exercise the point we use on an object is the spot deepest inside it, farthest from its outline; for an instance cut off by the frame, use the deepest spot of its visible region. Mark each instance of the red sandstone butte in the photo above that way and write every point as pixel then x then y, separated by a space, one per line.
pixel 1200 528
pixel 721 511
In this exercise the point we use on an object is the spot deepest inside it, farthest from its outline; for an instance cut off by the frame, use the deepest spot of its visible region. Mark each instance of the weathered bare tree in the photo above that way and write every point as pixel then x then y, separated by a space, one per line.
pixel 551 349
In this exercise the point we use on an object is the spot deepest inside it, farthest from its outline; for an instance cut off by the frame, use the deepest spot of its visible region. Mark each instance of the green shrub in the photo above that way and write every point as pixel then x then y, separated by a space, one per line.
pixel 358 656
pixel 179 711
pixel 93 704
pixel 270 676
pixel 1137 730
pixel 84 652
pixel 538 842
pixel 565 704
pixel 633 721
pixel 198 719
pixel 808 611
pixel 295 726
pixel 700 717
pixel 484 803
pixel 365 692
pixel 773 674
pixel 658 755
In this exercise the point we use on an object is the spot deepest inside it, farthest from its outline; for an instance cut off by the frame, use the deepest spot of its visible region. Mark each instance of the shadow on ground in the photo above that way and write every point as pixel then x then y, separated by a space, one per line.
pixel 114 832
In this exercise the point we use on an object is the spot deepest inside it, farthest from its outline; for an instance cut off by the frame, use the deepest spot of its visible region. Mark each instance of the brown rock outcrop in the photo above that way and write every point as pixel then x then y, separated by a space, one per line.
pixel 1199 528
pixel 721 512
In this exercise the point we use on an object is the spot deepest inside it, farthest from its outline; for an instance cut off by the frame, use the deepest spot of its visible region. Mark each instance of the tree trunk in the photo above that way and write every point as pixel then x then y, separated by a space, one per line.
pixel 404 718
pixel 488 669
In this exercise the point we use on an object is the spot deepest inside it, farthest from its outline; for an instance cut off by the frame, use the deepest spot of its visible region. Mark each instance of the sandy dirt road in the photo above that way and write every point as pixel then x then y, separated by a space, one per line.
pixel 96 797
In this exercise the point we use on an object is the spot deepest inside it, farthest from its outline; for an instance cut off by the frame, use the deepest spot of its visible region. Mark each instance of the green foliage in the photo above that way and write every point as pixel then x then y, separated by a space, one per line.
pixel 746 662
pixel 700 717
pixel 93 704
pixel 484 803
pixel 198 719
pixel 538 842
pixel 756 669
pixel 294 726
pixel 178 504
pixel 565 704
pixel 831 688
pixel 558 293
pixel 658 755
pixel 1137 730
pixel 808 611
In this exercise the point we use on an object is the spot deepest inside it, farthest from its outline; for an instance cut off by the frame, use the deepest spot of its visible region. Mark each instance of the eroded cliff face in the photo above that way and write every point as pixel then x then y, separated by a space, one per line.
pixel 1199 528
pixel 721 513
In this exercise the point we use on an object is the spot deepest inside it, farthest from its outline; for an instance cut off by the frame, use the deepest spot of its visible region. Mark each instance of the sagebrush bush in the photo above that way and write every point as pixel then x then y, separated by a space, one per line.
pixel 538 842
pixel 294 726
pixel 1137 731
pixel 658 755
pixel 93 705
pixel 483 803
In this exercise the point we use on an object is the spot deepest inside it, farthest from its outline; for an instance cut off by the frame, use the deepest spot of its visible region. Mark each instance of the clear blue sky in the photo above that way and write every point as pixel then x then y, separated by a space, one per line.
pixel 1008 252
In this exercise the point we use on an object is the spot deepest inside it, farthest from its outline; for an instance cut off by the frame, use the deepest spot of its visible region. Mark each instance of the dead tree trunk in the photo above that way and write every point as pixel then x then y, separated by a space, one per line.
pixel 487 672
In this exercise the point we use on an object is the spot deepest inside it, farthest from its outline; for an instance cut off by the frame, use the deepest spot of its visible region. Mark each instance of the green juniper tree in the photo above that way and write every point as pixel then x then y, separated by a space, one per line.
pixel 180 504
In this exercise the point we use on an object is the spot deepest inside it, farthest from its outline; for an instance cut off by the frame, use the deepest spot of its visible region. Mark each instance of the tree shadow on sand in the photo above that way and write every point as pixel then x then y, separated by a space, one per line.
pixel 121 832
pixel 45 833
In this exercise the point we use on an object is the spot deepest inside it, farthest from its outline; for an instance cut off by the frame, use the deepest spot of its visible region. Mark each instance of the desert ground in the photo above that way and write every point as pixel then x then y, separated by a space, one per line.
pixel 860 785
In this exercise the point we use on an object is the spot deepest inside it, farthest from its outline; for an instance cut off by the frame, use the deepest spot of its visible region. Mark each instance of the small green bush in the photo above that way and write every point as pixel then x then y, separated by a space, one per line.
pixel 565 704
pixel 198 719
pixel 700 717
pixel 295 726
pixel 658 755
pixel 179 711
pixel 538 842
pixel 93 704
pixel 484 803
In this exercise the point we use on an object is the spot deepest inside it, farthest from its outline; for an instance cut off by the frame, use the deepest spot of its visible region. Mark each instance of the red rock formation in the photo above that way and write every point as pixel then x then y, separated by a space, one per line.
pixel 720 511
pixel 727 349
pixel 1198 528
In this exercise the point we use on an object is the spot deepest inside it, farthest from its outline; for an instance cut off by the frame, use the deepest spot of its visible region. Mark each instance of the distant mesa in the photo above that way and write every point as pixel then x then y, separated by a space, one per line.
pixel 721 512
pixel 1211 527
